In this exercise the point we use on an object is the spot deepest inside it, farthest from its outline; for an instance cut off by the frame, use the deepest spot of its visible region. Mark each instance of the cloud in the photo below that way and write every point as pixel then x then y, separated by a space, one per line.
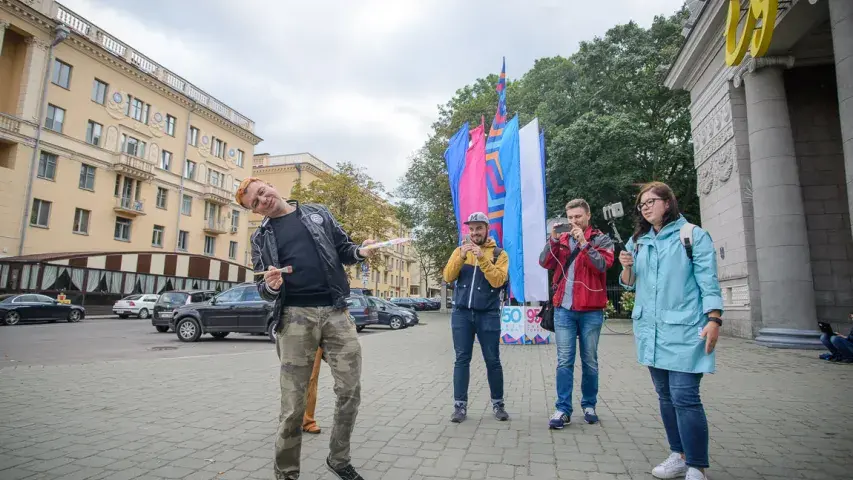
pixel 352 81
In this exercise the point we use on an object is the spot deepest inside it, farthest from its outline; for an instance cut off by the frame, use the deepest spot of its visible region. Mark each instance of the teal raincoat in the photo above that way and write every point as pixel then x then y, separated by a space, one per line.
pixel 673 298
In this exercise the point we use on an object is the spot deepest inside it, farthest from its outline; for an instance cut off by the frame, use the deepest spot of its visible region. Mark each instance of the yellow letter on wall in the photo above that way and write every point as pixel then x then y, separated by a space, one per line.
pixel 757 40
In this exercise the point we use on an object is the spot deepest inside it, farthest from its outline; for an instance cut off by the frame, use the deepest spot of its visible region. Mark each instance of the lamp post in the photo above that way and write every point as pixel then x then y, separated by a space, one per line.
pixel 60 34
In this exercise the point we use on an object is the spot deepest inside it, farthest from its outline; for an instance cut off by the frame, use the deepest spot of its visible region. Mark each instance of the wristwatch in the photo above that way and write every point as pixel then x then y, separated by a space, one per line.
pixel 717 320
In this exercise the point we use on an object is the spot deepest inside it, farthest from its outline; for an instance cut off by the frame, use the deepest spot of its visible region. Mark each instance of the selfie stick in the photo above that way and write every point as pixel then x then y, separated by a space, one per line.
pixel 611 213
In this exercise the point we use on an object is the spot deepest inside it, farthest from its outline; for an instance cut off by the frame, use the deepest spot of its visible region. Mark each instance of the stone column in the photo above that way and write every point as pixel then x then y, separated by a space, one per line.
pixel 788 312
pixel 31 80
pixel 841 19
pixel 3 27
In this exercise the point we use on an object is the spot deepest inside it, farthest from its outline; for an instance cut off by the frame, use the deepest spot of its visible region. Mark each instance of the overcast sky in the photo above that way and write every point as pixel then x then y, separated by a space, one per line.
pixel 353 80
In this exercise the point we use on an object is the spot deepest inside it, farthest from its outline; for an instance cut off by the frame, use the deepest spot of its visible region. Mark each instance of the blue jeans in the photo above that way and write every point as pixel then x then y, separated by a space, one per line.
pixel 486 325
pixel 586 327
pixel 682 414
pixel 837 345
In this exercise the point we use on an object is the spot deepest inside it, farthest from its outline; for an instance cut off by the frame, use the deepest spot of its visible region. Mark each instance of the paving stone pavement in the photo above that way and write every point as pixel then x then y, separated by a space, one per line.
pixel 774 414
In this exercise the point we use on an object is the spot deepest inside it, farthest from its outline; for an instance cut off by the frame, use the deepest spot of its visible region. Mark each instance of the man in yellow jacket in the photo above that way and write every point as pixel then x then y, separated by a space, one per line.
pixel 479 268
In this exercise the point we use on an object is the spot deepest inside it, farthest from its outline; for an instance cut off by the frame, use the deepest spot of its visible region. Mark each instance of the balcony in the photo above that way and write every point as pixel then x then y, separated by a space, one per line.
pixel 10 123
pixel 133 167
pixel 129 206
pixel 215 226
pixel 217 195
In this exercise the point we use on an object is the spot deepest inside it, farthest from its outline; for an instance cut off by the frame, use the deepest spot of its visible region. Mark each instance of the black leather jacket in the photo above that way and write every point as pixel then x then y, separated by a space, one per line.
pixel 334 246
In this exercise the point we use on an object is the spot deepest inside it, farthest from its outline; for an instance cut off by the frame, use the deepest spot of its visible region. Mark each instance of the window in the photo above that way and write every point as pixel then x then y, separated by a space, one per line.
pixel 41 213
pixel 231 296
pixel 183 239
pixel 193 136
pixel 218 148
pixel 209 245
pixel 170 125
pixel 87 177
pixel 157 236
pixel 240 158
pixel 137 109
pixel 93 133
pixel 47 166
pixel 99 91
pixel 189 169
pixel 187 205
pixel 215 178
pixel 81 221
pixel 55 118
pixel 235 220
pixel 132 146
pixel 232 250
pixel 61 74
pixel 252 295
pixel 162 195
pixel 165 160
pixel 118 184
pixel 211 211
pixel 122 231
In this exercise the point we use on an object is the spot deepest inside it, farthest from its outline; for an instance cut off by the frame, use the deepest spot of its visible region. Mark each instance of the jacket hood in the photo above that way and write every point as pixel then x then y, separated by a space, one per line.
pixel 490 243
pixel 671 228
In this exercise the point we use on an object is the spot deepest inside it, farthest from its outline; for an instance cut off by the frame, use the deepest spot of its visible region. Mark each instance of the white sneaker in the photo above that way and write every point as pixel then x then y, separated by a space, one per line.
pixel 695 474
pixel 673 467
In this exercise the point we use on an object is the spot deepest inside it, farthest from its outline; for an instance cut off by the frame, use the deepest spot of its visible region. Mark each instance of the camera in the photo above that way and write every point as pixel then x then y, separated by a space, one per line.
pixel 613 211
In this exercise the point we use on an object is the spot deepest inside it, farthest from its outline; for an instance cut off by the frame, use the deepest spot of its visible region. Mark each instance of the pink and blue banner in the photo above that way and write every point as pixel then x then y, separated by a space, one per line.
pixel 494 173
pixel 472 192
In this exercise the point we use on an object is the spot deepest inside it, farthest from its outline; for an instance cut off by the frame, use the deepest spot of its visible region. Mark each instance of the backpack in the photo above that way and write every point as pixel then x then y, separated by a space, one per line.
pixel 686 236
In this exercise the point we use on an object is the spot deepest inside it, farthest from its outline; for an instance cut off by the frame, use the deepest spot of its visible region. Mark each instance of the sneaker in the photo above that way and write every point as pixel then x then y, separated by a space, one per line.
pixel 672 467
pixel 459 414
pixel 695 474
pixel 344 473
pixel 500 412
pixel 589 415
pixel 559 420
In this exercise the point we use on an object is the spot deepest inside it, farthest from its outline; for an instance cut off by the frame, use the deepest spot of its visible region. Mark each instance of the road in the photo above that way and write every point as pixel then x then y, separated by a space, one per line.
pixel 98 340
pixel 93 401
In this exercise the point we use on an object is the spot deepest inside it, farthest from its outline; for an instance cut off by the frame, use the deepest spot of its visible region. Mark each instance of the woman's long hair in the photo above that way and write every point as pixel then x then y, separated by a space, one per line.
pixel 663 191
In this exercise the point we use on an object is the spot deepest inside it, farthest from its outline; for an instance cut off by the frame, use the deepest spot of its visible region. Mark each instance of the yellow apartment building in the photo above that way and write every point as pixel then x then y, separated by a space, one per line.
pixel 131 157
pixel 391 279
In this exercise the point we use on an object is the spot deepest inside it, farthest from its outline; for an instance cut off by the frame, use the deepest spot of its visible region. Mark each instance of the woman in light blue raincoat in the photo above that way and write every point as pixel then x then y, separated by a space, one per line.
pixel 677 318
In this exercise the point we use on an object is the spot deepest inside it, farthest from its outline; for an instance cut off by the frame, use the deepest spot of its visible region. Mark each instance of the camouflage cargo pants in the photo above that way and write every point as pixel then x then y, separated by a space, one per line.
pixel 303 329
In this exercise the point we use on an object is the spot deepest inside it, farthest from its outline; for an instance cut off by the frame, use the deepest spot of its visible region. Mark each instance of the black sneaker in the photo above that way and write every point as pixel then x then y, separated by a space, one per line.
pixel 459 414
pixel 344 473
pixel 500 412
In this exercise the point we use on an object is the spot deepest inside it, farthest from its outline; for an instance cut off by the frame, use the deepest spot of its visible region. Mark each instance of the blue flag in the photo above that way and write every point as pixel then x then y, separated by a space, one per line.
pixel 454 157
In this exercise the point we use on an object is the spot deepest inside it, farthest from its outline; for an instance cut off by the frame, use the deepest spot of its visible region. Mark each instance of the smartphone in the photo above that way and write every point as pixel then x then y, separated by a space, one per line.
pixel 467 239
pixel 562 227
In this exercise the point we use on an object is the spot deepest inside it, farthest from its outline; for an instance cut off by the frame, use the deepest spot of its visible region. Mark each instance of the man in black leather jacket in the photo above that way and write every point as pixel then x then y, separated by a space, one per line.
pixel 310 302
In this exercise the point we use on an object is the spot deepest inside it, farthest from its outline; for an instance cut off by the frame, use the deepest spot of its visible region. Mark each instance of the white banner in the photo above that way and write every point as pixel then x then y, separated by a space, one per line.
pixel 533 212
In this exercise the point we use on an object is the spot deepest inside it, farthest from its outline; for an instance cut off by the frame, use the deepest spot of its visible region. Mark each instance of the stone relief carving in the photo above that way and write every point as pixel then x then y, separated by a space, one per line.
pixel 718 170
pixel 156 122
pixel 116 104
pixel 750 65
pixel 112 139
pixel 154 154
pixel 713 132
pixel 38 43
pixel 203 144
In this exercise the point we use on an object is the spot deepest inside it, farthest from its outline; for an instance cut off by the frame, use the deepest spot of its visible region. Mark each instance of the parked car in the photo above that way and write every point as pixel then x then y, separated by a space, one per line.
pixel 392 315
pixel 412 303
pixel 361 291
pixel 16 308
pixel 429 304
pixel 237 310
pixel 362 311
pixel 139 306
pixel 169 301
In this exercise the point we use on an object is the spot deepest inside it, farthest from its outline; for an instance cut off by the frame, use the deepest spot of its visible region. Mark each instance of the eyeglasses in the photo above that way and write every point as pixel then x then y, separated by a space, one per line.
pixel 648 203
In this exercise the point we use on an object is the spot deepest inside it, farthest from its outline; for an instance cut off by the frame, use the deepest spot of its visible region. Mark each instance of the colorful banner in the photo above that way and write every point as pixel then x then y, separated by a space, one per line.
pixel 494 174
pixel 472 188
pixel 512 222
pixel 454 157
pixel 520 326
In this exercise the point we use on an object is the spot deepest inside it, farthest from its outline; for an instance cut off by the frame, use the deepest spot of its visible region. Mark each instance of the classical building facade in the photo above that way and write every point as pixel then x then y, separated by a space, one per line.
pixel 771 85
pixel 393 278
pixel 118 155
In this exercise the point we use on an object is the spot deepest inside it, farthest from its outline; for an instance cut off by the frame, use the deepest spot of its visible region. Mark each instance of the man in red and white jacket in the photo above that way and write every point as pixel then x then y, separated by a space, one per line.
pixel 579 258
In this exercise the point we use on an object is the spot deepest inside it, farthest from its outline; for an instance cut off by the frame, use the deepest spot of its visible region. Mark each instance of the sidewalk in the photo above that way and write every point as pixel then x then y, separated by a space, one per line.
pixel 774 414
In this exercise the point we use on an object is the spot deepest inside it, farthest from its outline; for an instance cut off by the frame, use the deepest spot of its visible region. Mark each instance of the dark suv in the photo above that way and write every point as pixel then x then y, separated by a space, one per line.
pixel 239 310
pixel 169 301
